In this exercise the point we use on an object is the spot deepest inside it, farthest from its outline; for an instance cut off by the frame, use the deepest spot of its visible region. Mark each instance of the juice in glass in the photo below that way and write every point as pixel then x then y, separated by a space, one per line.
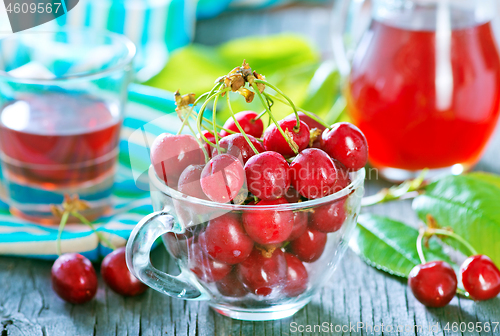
pixel 421 104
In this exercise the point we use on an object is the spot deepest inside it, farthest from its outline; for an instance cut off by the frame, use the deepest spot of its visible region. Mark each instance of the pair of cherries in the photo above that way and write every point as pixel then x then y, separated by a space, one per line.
pixel 434 284
pixel 74 278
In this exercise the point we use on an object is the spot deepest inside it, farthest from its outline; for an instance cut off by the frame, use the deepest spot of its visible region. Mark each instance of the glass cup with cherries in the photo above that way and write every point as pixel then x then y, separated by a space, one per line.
pixel 257 219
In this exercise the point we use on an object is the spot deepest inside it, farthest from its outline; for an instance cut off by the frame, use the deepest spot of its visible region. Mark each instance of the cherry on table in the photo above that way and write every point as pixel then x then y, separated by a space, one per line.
pixel 231 286
pixel 347 144
pixel 481 277
pixel 297 277
pixel 74 278
pixel 115 273
pixel 171 154
pixel 225 239
pixel 267 175
pixel 268 226
pixel 189 182
pixel 329 217
pixel 308 120
pixel 247 121
pixel 204 267
pixel 261 275
pixel 222 178
pixel 274 140
pixel 237 146
pixel 313 173
pixel 433 284
pixel 310 245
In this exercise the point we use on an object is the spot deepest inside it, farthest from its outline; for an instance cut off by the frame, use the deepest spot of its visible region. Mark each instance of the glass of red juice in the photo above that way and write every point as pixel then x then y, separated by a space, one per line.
pixel 62 96
pixel 423 82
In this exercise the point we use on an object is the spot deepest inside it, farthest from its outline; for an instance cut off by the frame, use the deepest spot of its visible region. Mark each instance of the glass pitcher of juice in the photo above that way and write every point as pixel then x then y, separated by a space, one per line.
pixel 422 80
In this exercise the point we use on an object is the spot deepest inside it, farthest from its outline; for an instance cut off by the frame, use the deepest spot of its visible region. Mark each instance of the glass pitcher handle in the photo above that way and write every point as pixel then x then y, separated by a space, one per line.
pixel 350 20
pixel 138 248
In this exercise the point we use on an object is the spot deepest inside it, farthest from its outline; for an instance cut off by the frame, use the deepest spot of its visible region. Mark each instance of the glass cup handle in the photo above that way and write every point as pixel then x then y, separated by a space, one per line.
pixel 138 248
pixel 350 20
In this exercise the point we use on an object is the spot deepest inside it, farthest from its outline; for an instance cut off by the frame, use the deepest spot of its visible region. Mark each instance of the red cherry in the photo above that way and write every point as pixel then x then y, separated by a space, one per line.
pixel 309 246
pixel 347 144
pixel 237 146
pixel 296 280
pixel 433 284
pixel 226 241
pixel 171 154
pixel 313 173
pixel 189 182
pixel 308 120
pixel 481 277
pixel 267 175
pixel 247 122
pixel 274 140
pixel 292 195
pixel 329 217
pixel 299 224
pixel 115 273
pixel 74 278
pixel 262 275
pixel 205 268
pixel 270 226
pixel 210 136
pixel 222 178
pixel 343 178
pixel 231 286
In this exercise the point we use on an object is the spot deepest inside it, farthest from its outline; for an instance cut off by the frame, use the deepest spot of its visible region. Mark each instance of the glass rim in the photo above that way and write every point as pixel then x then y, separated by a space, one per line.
pixel 120 65
pixel 357 181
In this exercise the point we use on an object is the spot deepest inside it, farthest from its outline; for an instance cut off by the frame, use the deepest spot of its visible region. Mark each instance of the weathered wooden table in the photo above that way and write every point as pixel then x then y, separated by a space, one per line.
pixel 356 294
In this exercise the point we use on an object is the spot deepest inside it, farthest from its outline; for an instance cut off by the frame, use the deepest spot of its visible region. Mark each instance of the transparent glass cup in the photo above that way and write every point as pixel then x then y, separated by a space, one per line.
pixel 62 97
pixel 181 221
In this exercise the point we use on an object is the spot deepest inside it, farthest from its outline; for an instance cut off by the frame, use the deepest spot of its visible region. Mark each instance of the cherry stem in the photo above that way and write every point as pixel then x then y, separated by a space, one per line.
pixel 273 119
pixel 62 224
pixel 216 86
pixel 442 232
pixel 290 102
pixel 216 135
pixel 239 126
pixel 220 128
pixel 200 118
pixel 420 250
pixel 260 115
pixel 185 121
pixel 307 113
pixel 406 190
pixel 100 236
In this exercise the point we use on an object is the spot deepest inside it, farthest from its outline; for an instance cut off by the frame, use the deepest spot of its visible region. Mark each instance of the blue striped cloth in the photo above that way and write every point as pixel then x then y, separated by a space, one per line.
pixel 145 110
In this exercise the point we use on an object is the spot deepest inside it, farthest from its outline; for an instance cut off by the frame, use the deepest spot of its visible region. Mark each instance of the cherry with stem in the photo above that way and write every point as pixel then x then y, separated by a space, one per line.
pixel 308 113
pixel 290 102
pixel 430 232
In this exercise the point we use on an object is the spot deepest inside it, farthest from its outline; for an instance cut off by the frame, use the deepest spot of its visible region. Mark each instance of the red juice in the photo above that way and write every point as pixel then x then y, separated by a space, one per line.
pixel 412 120
pixel 58 140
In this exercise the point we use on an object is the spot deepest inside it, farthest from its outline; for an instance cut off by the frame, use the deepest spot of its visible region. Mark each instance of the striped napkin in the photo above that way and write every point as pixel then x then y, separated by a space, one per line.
pixel 145 111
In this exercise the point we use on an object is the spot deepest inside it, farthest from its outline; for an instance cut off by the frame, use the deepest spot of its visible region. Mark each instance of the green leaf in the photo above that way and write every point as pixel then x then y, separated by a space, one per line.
pixel 390 245
pixel 268 55
pixel 470 205
pixel 191 69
